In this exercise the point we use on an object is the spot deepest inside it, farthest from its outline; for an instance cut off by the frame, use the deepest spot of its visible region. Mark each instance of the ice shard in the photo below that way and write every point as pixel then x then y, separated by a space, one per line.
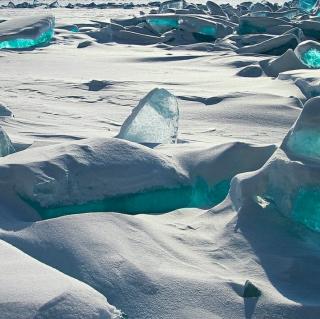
pixel 26 32
pixel 199 26
pixel 308 52
pixel 6 146
pixel 163 23
pixel 171 4
pixel 303 140
pixel 153 120
pixel 307 5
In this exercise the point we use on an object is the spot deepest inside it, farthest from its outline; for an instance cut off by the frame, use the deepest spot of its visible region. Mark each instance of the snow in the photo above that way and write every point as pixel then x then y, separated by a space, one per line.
pixel 26 293
pixel 224 223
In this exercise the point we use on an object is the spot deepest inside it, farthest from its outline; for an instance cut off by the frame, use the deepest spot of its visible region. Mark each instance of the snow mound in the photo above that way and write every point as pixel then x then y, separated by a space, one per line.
pixel 30 289
pixel 287 61
pixel 26 32
pixel 75 173
pixel 153 120
pixel 105 175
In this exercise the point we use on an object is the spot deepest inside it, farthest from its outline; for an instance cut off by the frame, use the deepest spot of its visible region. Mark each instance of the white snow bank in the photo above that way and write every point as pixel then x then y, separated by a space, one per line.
pixel 30 289
pixel 93 174
pixel 74 173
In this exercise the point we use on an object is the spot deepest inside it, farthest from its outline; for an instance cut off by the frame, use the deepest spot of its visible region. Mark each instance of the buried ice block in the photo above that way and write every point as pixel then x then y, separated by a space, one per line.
pixel 26 32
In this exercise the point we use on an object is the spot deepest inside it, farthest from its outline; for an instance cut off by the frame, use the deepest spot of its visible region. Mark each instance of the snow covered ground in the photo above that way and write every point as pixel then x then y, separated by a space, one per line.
pixel 170 247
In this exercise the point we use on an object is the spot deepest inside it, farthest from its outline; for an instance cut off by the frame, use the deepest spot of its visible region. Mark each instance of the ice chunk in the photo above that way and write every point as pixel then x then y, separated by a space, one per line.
pixel 153 120
pixel 248 25
pixel 5 111
pixel 6 146
pixel 307 5
pixel 310 28
pixel 306 207
pixel 303 140
pixel 308 52
pixel 308 89
pixel 312 58
pixel 171 4
pixel 200 194
pixel 215 9
pixel 26 32
pixel 163 23
pixel 250 290
pixel 199 26
pixel 274 46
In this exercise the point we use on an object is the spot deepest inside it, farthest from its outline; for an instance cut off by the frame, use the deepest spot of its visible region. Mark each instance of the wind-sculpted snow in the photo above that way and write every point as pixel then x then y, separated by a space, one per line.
pixel 190 226
pixel 154 120
pixel 289 181
pixel 53 294
pixel 20 33
pixel 114 175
